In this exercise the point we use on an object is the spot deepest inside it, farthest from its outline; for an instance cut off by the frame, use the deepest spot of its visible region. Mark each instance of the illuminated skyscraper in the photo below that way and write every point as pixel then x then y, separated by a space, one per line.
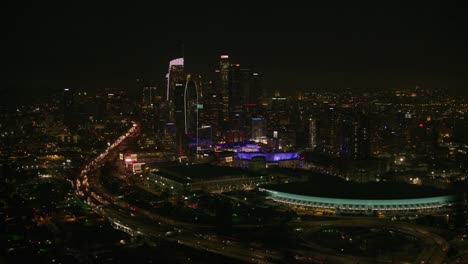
pixel 354 137
pixel 191 105
pixel 312 133
pixel 278 116
pixel 258 129
pixel 175 75
pixel 245 83
pixel 212 112
pixel 148 95
pixel 68 108
pixel 150 110
pixel 362 149
pixel 257 90
pixel 205 141
pixel 179 116
pixel 235 95
pixel 186 106
pixel 223 82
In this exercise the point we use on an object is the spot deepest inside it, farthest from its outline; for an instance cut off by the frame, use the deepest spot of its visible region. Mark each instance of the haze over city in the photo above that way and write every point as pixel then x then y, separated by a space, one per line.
pixel 298 46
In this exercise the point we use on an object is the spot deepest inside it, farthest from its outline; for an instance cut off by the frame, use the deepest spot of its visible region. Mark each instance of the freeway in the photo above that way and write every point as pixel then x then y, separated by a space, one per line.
pixel 186 237
pixel 155 227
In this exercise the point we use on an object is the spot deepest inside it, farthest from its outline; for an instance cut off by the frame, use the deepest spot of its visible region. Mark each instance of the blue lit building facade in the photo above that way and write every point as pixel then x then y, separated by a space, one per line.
pixel 364 206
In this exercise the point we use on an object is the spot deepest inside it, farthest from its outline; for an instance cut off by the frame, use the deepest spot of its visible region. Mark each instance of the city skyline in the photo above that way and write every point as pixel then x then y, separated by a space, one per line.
pixel 234 132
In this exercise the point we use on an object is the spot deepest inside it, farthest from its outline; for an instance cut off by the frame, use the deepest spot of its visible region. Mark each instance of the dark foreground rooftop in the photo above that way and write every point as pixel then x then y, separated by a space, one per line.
pixel 194 173
pixel 334 187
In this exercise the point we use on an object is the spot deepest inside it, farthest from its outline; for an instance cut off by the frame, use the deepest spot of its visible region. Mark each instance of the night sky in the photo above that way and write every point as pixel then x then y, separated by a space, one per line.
pixel 297 47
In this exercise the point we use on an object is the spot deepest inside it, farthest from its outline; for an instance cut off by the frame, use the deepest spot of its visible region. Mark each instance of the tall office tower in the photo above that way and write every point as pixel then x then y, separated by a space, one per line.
pixel 168 136
pixel 68 109
pixel 327 127
pixel 200 90
pixel 186 106
pixel 198 80
pixel 191 105
pixel 258 90
pixel 179 118
pixel 252 105
pixel 114 101
pixel 205 138
pixel 212 110
pixel 278 116
pixel 249 111
pixel 345 136
pixel 205 87
pixel 258 129
pixel 246 83
pixel 235 95
pixel 100 103
pixel 175 75
pixel 138 90
pixel 354 137
pixel 150 110
pixel 223 82
pixel 312 133
pixel 362 147
pixel 209 87
pixel 148 95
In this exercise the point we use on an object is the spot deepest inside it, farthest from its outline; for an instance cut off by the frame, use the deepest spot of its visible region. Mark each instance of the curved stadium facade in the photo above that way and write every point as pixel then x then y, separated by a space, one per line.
pixel 368 198
pixel 361 205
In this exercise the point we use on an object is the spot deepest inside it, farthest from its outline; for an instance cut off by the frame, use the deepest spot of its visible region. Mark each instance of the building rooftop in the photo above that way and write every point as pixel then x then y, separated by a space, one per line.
pixel 334 187
pixel 194 173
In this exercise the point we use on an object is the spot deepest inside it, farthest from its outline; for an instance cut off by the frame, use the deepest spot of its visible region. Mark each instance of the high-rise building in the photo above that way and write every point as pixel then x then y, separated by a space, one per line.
pixel 149 95
pixel 167 136
pixel 223 82
pixel 175 75
pixel 186 106
pixel 362 147
pixel 354 137
pixel 257 90
pixel 312 133
pixel 278 116
pixel 235 95
pixel 249 111
pixel 246 83
pixel 151 110
pixel 204 140
pixel 234 135
pixel 68 108
pixel 258 129
pixel 328 130
pixel 212 112
pixel 179 116
pixel 191 105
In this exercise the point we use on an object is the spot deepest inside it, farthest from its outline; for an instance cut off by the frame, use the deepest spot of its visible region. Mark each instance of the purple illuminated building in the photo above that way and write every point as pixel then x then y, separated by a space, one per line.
pixel 269 157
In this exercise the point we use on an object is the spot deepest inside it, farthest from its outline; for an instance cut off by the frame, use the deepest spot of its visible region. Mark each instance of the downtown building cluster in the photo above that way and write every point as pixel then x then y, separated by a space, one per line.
pixel 411 134
pixel 192 114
